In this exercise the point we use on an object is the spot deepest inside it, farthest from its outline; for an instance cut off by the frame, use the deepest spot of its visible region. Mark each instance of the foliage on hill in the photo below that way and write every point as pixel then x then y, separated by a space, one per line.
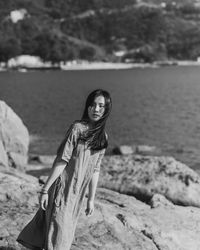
pixel 59 30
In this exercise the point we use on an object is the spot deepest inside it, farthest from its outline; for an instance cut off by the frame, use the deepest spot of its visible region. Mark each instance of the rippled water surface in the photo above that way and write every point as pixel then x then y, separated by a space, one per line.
pixel 152 106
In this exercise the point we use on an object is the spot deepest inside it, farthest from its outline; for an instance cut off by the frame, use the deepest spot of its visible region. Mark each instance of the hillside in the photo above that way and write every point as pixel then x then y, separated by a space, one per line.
pixel 60 30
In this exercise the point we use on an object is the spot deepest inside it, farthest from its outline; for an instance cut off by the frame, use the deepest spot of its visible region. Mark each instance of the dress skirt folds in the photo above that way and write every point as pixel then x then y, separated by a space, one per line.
pixel 54 228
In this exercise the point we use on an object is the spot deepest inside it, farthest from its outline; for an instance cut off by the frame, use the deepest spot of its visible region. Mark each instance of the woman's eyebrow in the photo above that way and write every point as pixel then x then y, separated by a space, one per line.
pixel 99 102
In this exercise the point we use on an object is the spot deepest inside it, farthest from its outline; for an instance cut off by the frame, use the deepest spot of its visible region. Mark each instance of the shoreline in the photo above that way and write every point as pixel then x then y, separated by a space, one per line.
pixel 104 66
pixel 84 65
pixel 111 65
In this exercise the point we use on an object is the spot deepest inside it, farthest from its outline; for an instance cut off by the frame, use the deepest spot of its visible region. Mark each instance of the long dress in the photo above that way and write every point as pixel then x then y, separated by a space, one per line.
pixel 54 228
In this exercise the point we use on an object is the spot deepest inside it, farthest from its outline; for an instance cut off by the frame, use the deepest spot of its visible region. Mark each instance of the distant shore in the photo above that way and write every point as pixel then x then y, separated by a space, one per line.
pixel 111 65
pixel 103 66
pixel 85 65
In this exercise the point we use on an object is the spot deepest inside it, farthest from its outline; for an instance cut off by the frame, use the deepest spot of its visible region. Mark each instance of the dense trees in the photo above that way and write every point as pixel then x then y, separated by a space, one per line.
pixel 60 30
pixel 9 47
pixel 183 38
pixel 51 47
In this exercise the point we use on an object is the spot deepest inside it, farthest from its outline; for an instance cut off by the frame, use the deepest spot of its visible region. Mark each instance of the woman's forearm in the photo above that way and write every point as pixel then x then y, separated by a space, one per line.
pixel 93 186
pixel 56 170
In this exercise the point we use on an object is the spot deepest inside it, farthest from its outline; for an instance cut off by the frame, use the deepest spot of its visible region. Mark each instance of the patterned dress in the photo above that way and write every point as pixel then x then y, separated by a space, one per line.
pixel 54 228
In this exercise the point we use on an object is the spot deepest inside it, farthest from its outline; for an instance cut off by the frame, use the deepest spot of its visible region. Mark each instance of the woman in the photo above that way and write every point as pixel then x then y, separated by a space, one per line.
pixel 75 168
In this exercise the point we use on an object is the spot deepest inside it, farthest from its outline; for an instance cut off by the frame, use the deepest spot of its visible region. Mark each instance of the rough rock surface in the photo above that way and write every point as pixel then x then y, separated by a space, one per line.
pixel 144 176
pixel 14 137
pixel 3 156
pixel 18 199
pixel 18 187
pixel 119 222
pixel 122 222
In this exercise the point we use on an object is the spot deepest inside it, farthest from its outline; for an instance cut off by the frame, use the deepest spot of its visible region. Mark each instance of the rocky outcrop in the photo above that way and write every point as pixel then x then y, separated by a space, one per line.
pixel 148 150
pixel 136 149
pixel 124 150
pixel 43 159
pixel 144 176
pixel 3 156
pixel 18 187
pixel 119 222
pixel 14 138
pixel 122 222
pixel 139 176
pixel 19 200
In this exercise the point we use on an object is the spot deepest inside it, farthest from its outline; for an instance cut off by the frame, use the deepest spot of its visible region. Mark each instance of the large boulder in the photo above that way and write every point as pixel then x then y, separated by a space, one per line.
pixel 3 156
pixel 144 176
pixel 14 138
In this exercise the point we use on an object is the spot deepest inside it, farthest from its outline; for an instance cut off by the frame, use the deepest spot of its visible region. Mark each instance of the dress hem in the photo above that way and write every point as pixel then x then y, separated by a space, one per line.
pixel 26 244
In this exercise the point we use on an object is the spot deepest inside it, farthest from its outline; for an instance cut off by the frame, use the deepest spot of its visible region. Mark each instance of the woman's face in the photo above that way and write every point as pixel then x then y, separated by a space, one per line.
pixel 97 109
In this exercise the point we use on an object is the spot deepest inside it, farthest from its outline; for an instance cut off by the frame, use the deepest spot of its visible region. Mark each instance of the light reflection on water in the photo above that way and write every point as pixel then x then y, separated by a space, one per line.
pixel 158 107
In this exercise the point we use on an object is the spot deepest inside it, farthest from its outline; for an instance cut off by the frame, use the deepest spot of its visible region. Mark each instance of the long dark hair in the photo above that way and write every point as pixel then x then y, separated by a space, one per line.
pixel 96 137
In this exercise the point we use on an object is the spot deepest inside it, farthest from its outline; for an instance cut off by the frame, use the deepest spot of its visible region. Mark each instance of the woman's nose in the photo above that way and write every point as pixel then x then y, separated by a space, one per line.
pixel 96 108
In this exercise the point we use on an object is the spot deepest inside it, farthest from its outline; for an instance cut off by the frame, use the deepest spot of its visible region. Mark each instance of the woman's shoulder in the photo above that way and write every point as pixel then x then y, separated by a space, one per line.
pixel 79 126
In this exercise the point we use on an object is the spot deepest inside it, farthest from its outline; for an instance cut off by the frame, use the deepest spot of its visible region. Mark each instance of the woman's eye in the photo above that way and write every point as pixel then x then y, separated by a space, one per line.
pixel 94 105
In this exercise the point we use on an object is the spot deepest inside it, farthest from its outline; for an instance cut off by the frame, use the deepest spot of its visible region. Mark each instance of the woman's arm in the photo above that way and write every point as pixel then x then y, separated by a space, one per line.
pixel 95 176
pixel 91 193
pixel 56 170
pixel 93 186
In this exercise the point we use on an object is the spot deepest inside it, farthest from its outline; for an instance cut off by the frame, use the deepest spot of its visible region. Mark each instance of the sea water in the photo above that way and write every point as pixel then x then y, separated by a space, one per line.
pixel 151 106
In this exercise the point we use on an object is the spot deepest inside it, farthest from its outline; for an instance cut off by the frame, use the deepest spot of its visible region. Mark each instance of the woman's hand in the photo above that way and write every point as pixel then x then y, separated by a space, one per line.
pixel 90 208
pixel 43 200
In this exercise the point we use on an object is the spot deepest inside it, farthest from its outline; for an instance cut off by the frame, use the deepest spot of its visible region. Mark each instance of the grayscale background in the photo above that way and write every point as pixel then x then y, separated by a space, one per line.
pixel 145 53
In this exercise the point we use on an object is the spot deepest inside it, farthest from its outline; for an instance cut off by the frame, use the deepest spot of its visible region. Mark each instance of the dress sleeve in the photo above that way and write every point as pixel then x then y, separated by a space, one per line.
pixel 98 164
pixel 69 143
